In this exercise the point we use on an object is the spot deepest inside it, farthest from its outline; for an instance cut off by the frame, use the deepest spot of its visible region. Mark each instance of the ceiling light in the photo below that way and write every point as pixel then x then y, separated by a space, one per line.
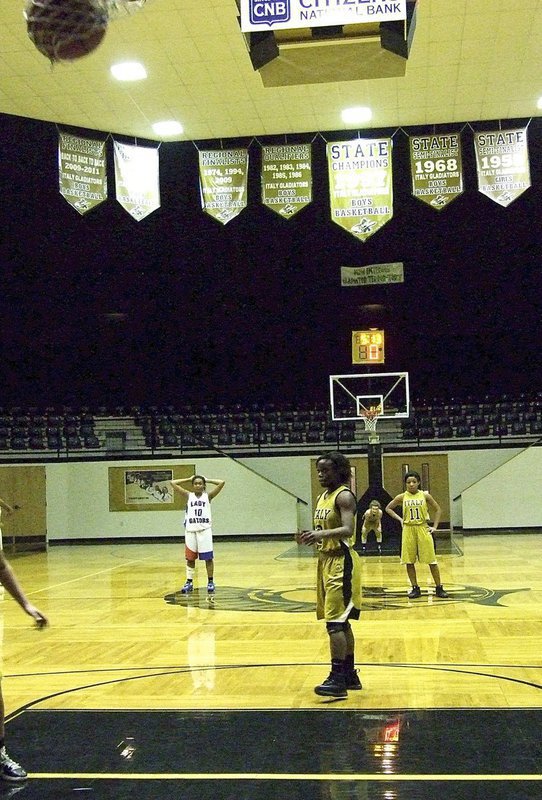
pixel 167 128
pixel 357 114
pixel 129 71
pixel 539 103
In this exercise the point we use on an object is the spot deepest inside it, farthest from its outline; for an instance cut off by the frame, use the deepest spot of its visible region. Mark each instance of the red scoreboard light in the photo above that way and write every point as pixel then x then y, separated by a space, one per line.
pixel 368 347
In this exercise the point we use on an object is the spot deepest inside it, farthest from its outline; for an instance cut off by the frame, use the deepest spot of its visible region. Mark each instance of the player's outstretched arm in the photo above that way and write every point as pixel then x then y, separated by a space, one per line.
pixel 217 487
pixel 397 501
pixel 9 580
pixel 435 509
pixel 176 485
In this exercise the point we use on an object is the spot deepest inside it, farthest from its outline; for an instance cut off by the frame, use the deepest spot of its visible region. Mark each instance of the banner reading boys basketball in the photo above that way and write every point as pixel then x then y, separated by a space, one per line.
pixel 436 168
pixel 82 175
pixel 137 183
pixel 287 178
pixel 360 185
pixel 223 182
pixel 502 164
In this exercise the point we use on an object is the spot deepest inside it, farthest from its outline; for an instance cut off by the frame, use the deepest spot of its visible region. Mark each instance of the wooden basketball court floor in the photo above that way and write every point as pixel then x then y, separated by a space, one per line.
pixel 135 691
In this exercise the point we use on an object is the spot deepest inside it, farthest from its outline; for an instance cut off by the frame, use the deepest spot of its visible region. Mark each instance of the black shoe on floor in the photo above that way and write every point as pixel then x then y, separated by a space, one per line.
pixel 352 681
pixel 333 686
pixel 414 592
pixel 439 591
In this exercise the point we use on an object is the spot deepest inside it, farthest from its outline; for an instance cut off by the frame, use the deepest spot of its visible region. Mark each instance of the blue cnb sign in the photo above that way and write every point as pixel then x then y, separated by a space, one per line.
pixel 276 14
pixel 269 12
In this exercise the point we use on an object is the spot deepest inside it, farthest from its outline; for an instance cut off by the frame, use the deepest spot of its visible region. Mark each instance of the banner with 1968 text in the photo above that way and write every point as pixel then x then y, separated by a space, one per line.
pixel 223 182
pixel 436 168
pixel 360 185
pixel 286 178
pixel 502 164
pixel 82 172
pixel 137 182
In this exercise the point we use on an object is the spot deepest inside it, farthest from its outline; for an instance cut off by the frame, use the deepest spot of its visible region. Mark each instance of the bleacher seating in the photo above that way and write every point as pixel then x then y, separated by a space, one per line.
pixel 463 430
pixel 445 431
pixel 501 429
pixel 481 429
pixel 434 423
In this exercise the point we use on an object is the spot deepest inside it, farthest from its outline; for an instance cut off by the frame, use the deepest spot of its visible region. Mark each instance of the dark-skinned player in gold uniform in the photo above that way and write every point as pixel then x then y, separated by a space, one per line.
pixel 338 587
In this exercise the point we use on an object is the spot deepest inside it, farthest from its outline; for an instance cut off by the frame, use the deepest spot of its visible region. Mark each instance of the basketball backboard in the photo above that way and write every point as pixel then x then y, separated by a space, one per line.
pixel 353 395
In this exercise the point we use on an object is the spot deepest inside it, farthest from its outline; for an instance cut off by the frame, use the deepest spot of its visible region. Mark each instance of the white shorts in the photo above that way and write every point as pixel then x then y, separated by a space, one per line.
pixel 198 544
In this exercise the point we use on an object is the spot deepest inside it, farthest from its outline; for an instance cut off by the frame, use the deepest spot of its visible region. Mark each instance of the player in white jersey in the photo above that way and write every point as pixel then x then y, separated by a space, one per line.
pixel 198 541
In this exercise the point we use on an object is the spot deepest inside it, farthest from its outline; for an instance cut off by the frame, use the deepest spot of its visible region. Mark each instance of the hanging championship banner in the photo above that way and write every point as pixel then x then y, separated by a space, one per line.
pixel 82 175
pixel 436 167
pixel 360 185
pixel 137 183
pixel 223 182
pixel 286 178
pixel 502 164
pixel 373 274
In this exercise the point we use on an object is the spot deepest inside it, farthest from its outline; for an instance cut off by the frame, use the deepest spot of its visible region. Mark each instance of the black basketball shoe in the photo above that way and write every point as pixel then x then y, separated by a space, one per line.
pixel 352 681
pixel 333 686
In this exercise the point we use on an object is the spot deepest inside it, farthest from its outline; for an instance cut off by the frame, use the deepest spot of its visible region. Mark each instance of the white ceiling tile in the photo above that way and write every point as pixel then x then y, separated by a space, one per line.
pixel 481 58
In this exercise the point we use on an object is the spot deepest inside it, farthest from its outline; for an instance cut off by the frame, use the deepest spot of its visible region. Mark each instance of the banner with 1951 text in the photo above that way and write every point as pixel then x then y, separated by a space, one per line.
pixel 502 164
pixel 82 172
pixel 286 178
pixel 223 182
pixel 436 168
pixel 360 185
pixel 137 182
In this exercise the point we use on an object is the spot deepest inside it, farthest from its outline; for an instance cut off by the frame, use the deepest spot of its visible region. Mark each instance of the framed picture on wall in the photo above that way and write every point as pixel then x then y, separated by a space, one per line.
pixel 146 488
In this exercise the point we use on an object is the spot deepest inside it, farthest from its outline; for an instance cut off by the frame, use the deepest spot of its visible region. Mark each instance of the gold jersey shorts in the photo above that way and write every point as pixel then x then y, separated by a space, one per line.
pixel 417 545
pixel 338 586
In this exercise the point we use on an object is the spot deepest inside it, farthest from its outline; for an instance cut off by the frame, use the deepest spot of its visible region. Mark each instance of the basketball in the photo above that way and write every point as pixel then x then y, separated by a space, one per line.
pixel 64 30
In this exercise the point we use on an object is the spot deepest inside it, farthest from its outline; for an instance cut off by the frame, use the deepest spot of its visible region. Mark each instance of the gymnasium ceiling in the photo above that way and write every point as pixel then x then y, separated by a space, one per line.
pixel 470 60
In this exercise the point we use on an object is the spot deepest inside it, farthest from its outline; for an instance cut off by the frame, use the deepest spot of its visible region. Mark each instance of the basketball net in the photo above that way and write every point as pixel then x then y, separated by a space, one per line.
pixel 370 418
pixel 118 8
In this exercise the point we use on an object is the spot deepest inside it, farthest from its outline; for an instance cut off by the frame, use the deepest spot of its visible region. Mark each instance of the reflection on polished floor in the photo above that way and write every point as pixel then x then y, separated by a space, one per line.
pixel 138 692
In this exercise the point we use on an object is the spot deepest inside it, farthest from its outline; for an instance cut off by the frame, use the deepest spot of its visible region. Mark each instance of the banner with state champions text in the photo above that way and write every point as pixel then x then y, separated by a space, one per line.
pixel 286 178
pixel 137 182
pixel 82 172
pixel 223 182
pixel 502 164
pixel 360 185
pixel 436 168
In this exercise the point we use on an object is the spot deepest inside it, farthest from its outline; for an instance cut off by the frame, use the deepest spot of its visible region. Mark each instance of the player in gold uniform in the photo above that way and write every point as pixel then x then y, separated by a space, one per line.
pixel 417 540
pixel 338 580
pixel 372 521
